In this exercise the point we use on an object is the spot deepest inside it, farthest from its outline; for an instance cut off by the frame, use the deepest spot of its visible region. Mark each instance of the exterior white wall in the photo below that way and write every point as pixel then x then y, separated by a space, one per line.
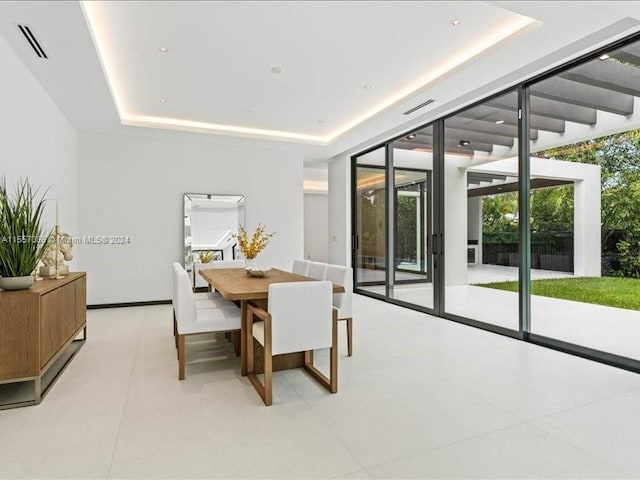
pixel 586 221
pixel 38 142
pixel 586 210
pixel 587 224
pixel 455 221
pixel 316 227
pixel 134 186
pixel 340 211
pixel 474 224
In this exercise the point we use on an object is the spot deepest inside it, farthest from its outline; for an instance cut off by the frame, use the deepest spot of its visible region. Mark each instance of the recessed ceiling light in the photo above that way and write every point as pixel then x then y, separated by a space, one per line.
pixel 464 143
pixel 603 57
pixel 163 49
pixel 163 100
pixel 367 87
pixel 413 135
pixel 276 70
pixel 455 22
pixel 499 122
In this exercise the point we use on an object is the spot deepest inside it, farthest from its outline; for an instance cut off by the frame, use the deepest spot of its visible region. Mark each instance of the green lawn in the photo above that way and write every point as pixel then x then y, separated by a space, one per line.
pixel 610 291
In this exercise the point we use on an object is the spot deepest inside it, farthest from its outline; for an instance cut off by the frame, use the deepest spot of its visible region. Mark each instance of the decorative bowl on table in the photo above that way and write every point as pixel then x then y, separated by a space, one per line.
pixel 258 271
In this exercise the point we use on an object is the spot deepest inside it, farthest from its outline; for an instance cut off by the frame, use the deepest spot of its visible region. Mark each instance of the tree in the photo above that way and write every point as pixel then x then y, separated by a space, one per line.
pixel 406 228
pixel 500 213
pixel 619 159
pixel 552 209
pixel 618 156
pixel 371 205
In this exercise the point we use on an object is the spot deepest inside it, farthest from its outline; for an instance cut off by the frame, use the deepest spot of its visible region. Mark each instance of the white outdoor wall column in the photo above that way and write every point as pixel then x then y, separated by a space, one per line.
pixel 455 220
pixel 586 224
pixel 474 224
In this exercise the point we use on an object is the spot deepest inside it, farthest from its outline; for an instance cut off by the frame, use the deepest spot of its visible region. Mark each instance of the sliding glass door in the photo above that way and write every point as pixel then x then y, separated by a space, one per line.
pixel 517 214
pixel 412 159
pixel 401 223
pixel 585 206
pixel 462 260
pixel 370 232
pixel 481 221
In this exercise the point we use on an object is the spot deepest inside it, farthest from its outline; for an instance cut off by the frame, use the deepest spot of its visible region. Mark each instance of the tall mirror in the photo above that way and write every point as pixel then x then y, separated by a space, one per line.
pixel 210 223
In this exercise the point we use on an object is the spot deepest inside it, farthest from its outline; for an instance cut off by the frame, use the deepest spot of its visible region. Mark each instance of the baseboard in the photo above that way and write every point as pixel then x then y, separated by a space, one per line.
pixel 128 304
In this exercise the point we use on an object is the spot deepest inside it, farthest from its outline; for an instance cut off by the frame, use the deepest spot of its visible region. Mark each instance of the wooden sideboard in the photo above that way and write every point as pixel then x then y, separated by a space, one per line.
pixel 38 331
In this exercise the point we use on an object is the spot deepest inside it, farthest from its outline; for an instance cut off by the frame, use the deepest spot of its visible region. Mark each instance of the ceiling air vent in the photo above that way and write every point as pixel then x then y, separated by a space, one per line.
pixel 418 107
pixel 31 38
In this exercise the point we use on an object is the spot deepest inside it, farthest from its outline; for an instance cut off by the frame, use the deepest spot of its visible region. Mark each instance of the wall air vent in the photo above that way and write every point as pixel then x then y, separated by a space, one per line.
pixel 418 107
pixel 31 39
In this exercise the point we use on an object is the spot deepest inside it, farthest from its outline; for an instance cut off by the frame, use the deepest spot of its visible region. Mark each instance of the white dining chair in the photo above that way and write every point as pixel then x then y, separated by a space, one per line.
pixel 301 267
pixel 317 270
pixel 213 294
pixel 202 302
pixel 213 265
pixel 343 302
pixel 202 299
pixel 191 320
pixel 300 318
pixel 176 269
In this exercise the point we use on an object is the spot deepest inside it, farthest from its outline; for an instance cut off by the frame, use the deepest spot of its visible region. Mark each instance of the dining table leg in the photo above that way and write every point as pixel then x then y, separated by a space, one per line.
pixel 243 338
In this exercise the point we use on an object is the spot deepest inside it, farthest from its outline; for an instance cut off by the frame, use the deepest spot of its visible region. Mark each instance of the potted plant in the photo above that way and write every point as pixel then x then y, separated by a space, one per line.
pixel 22 237
pixel 251 246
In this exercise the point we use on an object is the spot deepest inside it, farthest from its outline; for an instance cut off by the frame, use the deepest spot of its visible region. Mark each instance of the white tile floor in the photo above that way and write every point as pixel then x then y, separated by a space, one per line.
pixel 422 293
pixel 608 329
pixel 421 398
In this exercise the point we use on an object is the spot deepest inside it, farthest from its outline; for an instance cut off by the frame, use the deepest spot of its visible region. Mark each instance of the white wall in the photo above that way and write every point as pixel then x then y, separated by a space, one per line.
pixel 133 186
pixel 38 142
pixel 316 227
pixel 340 211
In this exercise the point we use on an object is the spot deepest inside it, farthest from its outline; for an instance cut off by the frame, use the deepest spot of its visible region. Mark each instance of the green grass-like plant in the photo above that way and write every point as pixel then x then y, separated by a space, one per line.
pixel 609 291
pixel 22 237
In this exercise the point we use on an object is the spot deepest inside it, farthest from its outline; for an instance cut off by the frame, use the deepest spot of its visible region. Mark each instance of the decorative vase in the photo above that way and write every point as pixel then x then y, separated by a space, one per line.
pixel 249 265
pixel 16 283
pixel 254 270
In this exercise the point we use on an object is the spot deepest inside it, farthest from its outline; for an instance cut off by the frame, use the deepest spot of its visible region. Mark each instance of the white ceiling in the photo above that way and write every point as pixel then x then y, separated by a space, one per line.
pixel 218 65
pixel 216 75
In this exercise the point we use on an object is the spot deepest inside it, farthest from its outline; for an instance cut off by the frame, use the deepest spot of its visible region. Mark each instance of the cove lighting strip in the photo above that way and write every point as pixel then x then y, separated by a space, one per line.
pixel 100 36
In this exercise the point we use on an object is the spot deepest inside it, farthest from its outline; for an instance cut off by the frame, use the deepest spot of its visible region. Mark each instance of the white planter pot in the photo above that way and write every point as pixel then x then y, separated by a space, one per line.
pixel 16 283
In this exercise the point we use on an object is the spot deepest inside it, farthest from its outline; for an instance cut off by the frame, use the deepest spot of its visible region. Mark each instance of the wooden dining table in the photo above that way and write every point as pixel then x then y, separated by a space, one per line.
pixel 236 285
